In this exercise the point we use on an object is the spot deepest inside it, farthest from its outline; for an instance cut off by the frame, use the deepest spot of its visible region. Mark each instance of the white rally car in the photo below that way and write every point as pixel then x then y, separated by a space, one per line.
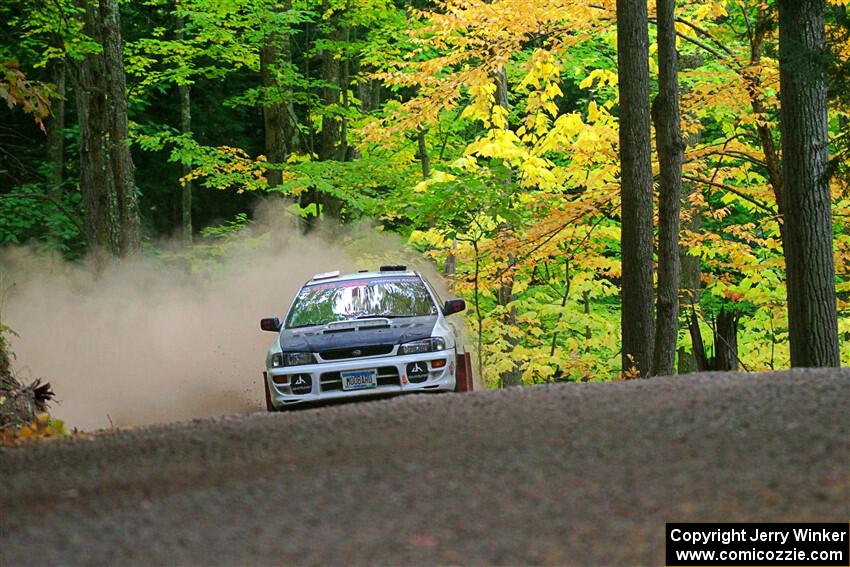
pixel 362 334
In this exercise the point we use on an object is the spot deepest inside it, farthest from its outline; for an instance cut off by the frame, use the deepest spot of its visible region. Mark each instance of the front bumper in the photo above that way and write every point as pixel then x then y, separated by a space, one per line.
pixel 392 378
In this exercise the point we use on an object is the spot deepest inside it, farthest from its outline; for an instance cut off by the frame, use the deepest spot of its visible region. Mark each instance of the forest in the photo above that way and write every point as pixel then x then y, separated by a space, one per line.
pixel 618 188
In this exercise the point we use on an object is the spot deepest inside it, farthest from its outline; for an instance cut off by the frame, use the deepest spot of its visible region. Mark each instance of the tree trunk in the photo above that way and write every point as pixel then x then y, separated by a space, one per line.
pixel 329 141
pixel 279 119
pixel 331 146
pixel 559 371
pixel 369 93
pixel 106 168
pixel 277 104
pixel 450 266
pixel 423 153
pixel 691 270
pixel 500 77
pixel 186 128
pixel 726 340
pixel 96 182
pixel 691 275
pixel 636 185
pixel 129 226
pixel 504 297
pixel 56 131
pixel 700 358
pixel 344 153
pixel 513 376
pixel 772 162
pixel 725 335
pixel 812 312
pixel 670 152
pixel 184 91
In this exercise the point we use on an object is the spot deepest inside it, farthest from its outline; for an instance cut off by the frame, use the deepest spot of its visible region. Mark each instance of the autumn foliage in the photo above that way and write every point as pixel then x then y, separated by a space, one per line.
pixel 486 133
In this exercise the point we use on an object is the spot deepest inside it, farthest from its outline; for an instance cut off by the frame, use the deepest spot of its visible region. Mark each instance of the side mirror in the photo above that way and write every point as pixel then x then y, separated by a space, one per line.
pixel 454 306
pixel 270 324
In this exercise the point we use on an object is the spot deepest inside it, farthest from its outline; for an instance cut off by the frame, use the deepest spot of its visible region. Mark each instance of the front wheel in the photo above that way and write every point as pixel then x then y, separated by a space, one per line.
pixel 269 406
pixel 463 377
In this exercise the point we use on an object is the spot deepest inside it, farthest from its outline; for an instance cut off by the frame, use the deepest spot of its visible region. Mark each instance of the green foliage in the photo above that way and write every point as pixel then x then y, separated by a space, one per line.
pixel 361 185
pixel 6 355
pixel 32 215
pixel 228 229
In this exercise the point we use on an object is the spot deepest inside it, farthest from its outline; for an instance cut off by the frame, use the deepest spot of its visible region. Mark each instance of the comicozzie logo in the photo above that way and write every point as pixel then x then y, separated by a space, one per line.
pixel 816 545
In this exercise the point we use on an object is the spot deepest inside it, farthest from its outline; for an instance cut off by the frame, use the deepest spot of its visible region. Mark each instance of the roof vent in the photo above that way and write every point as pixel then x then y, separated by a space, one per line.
pixel 394 268
pixel 326 275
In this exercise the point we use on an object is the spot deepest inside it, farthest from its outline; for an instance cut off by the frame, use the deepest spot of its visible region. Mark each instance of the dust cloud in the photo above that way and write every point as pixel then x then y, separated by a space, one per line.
pixel 161 339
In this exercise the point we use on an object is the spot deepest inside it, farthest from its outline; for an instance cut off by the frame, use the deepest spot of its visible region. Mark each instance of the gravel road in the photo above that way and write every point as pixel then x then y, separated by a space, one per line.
pixel 566 474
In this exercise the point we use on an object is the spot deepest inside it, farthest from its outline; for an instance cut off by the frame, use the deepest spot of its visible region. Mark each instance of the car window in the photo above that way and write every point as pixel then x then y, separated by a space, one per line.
pixel 434 292
pixel 325 303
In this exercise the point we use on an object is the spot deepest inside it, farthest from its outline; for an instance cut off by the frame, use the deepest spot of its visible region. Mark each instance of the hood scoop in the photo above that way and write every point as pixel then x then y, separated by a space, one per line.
pixel 341 330
pixel 357 325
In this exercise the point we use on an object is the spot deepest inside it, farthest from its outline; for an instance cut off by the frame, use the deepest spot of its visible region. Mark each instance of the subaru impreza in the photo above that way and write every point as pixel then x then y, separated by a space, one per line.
pixel 361 334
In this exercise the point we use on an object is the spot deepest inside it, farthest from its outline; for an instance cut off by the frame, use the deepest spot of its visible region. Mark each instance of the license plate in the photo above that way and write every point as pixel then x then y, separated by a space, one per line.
pixel 359 379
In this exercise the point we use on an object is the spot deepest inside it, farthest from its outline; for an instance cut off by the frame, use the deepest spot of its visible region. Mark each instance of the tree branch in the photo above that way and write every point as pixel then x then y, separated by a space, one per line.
pixel 729 54
pixel 736 154
pixel 703 33
pixel 763 206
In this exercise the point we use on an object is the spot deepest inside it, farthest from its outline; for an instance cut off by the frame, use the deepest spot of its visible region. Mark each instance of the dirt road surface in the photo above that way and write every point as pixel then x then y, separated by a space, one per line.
pixel 581 474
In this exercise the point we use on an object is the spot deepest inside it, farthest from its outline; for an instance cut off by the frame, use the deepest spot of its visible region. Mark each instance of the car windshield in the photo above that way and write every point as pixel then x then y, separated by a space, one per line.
pixel 325 303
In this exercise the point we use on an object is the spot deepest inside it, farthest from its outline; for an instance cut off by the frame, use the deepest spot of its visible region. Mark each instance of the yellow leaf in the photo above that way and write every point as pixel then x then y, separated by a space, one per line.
pixel 592 112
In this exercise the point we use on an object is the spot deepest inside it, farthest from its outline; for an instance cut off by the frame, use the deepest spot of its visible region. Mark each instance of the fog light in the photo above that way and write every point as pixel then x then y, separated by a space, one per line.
pixel 301 384
pixel 280 380
pixel 438 363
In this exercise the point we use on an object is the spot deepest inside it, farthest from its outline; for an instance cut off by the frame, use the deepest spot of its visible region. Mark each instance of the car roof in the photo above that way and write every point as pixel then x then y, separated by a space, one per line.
pixel 328 278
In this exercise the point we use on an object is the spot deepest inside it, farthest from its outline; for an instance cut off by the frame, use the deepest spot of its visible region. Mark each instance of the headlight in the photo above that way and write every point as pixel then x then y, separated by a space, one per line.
pixel 292 359
pixel 426 345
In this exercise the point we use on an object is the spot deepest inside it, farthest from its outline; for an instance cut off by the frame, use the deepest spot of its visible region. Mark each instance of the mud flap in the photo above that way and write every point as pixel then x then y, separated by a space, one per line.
pixel 463 378
pixel 269 406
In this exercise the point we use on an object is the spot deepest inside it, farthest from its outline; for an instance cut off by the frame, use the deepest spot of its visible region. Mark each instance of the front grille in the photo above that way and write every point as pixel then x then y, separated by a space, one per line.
pixel 387 376
pixel 356 352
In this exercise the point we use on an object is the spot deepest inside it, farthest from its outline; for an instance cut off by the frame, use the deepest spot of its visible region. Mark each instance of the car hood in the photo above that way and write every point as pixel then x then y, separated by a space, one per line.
pixel 317 339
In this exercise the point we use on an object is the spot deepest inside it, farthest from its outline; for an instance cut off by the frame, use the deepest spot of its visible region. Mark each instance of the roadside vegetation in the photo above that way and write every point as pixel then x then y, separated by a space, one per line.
pixel 605 217
pixel 23 409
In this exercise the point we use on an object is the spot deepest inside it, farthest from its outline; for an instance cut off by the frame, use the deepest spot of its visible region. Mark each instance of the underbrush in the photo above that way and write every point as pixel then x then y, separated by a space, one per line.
pixel 23 408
